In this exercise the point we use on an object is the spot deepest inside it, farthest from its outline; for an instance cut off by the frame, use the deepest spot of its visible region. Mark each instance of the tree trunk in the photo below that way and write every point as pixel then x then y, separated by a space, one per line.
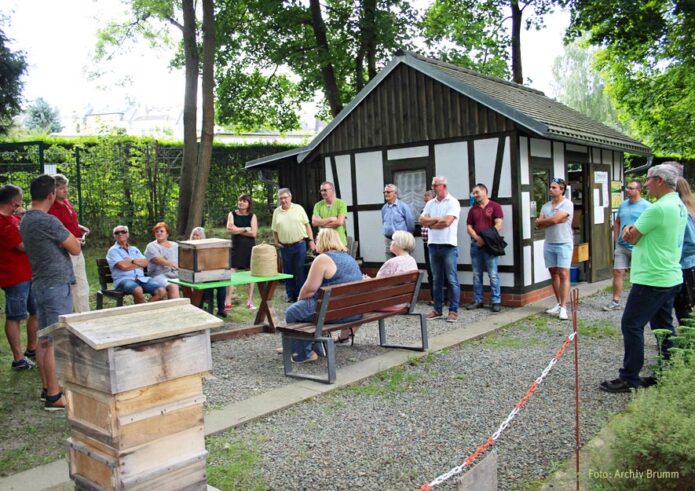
pixel 328 74
pixel 195 216
pixel 190 146
pixel 369 35
pixel 517 73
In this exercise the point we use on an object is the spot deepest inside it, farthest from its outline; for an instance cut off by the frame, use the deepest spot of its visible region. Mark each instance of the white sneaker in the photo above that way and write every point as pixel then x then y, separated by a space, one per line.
pixel 563 314
pixel 554 311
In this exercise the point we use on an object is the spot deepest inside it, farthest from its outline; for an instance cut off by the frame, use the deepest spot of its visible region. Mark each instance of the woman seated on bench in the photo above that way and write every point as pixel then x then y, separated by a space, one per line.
pixel 332 266
pixel 402 244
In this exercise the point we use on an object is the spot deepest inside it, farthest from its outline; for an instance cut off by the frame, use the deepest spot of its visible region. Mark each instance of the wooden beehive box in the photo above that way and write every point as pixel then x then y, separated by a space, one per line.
pixel 205 260
pixel 580 253
pixel 132 379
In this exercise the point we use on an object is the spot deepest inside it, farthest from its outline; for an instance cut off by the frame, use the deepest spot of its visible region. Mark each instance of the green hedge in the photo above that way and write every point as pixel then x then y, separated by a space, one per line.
pixel 134 181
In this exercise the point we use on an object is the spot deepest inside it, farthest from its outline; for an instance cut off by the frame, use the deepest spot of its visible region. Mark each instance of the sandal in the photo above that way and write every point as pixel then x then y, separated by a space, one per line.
pixel 250 305
pixel 312 358
pixel 227 307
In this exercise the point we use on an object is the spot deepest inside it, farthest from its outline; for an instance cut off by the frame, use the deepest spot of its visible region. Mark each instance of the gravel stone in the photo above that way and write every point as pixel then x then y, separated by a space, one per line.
pixel 401 429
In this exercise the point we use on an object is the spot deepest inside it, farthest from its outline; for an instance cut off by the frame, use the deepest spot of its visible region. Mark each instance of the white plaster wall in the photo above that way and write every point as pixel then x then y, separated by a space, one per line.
pixel 617 167
pixel 508 234
pixel 329 169
pixel 350 224
pixel 559 160
pixel 540 148
pixel 528 265
pixel 451 160
pixel 485 156
pixel 408 153
pixel 466 278
pixel 523 160
pixel 607 157
pixel 596 155
pixel 526 215
pixel 342 166
pixel 371 238
pixel 540 272
pixel 505 190
pixel 464 240
pixel 369 174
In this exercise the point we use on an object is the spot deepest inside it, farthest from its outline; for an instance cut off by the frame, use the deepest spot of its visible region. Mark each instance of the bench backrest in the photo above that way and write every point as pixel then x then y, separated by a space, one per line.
pixel 104 273
pixel 361 297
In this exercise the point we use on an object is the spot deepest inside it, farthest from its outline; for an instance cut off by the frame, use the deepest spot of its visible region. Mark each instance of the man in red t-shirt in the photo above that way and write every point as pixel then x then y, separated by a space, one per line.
pixel 15 279
pixel 63 210
pixel 484 214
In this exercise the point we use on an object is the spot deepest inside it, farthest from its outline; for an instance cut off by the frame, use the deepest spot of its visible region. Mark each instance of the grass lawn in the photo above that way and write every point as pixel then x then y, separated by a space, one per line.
pixel 32 436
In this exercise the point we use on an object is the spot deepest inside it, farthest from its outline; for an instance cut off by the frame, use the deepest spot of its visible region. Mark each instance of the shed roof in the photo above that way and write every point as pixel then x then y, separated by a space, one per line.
pixel 527 107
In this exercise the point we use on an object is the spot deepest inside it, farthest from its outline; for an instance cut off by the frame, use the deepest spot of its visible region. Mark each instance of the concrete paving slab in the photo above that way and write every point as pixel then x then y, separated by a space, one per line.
pixel 55 475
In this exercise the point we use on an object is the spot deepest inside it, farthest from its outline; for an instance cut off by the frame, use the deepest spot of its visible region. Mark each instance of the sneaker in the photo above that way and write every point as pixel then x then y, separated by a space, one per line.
pixel 562 315
pixel 452 317
pixel 30 353
pixel 554 311
pixel 474 305
pixel 496 307
pixel 615 386
pixel 434 315
pixel 55 403
pixel 614 305
pixel 23 364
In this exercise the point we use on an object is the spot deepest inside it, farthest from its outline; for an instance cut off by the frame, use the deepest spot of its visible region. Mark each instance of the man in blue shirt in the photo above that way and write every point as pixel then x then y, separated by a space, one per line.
pixel 127 269
pixel 395 215
pixel 628 213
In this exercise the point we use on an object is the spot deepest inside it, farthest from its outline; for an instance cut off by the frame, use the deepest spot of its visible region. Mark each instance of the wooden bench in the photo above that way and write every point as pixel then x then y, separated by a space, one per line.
pixel 104 279
pixel 366 297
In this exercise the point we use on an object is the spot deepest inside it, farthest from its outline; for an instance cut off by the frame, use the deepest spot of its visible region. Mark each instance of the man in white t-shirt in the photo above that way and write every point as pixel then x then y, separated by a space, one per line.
pixel 556 219
pixel 441 217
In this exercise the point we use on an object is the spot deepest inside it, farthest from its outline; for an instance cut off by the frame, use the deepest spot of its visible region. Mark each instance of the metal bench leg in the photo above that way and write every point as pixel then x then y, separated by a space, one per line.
pixel 287 355
pixel 423 335
pixel 100 300
pixel 330 358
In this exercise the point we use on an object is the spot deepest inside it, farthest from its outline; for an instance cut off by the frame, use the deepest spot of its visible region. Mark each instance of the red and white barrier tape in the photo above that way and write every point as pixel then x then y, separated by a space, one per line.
pixel 491 440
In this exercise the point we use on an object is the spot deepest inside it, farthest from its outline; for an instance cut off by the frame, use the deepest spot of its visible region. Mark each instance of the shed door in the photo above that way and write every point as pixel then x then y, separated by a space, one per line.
pixel 600 237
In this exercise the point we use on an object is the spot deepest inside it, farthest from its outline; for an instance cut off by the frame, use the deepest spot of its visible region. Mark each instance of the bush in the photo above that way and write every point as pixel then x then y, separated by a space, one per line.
pixel 654 445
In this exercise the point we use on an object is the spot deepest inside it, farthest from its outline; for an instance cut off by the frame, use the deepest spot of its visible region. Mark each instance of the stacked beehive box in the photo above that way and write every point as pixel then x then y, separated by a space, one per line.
pixel 205 260
pixel 133 381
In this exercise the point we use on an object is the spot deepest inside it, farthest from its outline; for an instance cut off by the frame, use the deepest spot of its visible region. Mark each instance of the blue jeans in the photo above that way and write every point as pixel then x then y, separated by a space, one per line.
pixel 481 261
pixel 293 258
pixel 303 311
pixel 51 303
pixel 443 259
pixel 645 304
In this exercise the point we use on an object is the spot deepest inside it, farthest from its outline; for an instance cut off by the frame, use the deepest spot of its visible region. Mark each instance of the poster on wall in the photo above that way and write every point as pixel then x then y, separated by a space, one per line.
pixel 616 194
pixel 600 195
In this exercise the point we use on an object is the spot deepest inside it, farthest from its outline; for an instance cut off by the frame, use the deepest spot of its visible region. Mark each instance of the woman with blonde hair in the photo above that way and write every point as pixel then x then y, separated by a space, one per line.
pixel 332 266
pixel 163 259
pixel 685 299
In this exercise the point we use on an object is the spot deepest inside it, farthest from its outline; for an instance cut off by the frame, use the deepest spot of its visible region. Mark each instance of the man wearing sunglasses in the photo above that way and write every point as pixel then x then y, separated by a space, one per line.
pixel 127 265
pixel 656 275
pixel 628 213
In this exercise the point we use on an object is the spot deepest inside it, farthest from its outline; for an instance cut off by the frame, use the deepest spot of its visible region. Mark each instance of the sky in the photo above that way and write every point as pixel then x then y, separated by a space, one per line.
pixel 58 38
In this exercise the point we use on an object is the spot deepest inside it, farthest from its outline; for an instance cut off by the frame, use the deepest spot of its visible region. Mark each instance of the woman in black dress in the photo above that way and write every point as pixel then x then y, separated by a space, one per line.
pixel 243 226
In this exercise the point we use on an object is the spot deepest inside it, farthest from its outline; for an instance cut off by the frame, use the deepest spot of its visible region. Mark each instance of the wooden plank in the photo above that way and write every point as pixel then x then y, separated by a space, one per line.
pixel 146 364
pixel 370 296
pixel 187 245
pixel 366 307
pixel 130 324
pixel 203 276
pixel 80 365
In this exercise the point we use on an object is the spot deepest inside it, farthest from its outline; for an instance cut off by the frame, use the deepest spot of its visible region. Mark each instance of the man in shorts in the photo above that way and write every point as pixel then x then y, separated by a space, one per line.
pixel 49 246
pixel 628 213
pixel 15 280
pixel 127 269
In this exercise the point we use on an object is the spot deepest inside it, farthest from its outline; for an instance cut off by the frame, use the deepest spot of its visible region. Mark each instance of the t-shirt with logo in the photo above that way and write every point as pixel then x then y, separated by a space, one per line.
pixel 14 264
pixel 484 218
pixel 628 213
pixel 656 256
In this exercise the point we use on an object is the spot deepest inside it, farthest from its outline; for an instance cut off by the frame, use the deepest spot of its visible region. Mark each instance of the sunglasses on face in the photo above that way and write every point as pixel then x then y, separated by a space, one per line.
pixel 120 232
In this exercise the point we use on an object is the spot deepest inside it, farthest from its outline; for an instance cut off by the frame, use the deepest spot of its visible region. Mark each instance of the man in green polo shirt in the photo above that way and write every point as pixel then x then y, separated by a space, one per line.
pixel 330 212
pixel 656 275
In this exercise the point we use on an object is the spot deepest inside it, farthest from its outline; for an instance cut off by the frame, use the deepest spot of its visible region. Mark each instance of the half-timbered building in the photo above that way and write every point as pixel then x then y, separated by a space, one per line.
pixel 419 118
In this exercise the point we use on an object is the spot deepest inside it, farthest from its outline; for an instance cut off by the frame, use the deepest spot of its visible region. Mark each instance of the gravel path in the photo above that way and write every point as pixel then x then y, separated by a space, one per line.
pixel 404 428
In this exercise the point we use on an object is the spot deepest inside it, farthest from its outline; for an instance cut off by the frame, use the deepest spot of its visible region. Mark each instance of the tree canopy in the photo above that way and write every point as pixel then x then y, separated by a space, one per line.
pixel 648 63
pixel 42 117
pixel 13 66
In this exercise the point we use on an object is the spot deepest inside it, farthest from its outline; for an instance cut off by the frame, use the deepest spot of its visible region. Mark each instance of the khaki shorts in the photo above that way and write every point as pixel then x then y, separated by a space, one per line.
pixel 622 257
